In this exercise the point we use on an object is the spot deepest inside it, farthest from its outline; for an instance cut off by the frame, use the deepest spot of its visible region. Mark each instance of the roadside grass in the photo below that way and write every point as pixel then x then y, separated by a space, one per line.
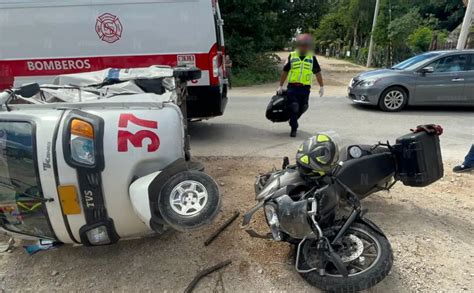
pixel 259 70
pixel 251 76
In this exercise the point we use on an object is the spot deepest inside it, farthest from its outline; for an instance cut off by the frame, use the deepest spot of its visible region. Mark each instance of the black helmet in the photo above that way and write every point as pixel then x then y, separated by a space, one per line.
pixel 318 155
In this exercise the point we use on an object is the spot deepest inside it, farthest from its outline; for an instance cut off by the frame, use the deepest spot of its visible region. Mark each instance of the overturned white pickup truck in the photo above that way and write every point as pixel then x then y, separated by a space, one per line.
pixel 101 156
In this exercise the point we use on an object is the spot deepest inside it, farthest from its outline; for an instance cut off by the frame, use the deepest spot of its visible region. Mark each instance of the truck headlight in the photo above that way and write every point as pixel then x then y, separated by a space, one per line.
pixel 82 142
pixel 98 236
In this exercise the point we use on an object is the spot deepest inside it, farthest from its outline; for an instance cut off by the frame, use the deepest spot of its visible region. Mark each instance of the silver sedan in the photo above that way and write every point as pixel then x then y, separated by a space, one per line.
pixel 433 78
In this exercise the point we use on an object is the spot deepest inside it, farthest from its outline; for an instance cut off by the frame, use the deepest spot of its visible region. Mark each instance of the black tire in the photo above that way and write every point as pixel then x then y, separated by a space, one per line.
pixel 397 100
pixel 199 212
pixel 362 281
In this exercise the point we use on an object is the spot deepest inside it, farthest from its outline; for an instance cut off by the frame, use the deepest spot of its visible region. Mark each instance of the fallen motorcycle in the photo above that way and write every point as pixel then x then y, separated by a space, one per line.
pixel 301 204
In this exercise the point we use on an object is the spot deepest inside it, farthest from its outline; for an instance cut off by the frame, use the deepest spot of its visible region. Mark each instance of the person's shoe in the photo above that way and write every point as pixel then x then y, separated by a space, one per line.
pixel 293 133
pixel 462 169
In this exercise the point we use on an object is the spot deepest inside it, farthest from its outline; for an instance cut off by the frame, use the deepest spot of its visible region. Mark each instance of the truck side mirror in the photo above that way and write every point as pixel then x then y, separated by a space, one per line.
pixel 28 90
pixel 425 70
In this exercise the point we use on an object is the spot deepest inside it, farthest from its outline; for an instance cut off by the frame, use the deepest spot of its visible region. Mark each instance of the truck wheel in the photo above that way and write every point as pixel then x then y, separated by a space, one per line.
pixel 189 200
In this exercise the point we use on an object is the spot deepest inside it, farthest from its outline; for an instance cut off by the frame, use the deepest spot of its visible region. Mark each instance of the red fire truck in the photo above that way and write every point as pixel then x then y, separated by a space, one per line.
pixel 41 39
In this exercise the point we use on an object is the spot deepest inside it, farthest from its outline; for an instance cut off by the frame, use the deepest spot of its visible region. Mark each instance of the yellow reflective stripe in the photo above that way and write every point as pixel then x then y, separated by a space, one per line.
pixel 25 207
pixel 323 138
pixel 301 148
pixel 304 159
pixel 321 161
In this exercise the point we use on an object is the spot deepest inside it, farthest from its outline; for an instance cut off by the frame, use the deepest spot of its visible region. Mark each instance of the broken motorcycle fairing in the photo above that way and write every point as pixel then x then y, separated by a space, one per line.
pixel 338 251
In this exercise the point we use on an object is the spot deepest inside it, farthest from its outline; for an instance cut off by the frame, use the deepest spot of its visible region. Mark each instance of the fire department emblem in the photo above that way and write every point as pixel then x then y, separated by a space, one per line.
pixel 109 28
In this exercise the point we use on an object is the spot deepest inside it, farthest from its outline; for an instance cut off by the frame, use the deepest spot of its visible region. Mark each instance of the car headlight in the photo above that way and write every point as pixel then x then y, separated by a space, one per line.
pixel 368 83
pixel 82 142
pixel 351 82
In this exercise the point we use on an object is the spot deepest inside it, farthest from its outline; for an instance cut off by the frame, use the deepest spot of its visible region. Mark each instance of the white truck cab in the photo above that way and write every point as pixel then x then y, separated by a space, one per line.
pixel 41 39
pixel 102 160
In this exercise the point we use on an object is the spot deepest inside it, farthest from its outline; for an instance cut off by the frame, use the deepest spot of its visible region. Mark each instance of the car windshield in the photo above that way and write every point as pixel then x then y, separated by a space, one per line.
pixel 416 61
pixel 21 200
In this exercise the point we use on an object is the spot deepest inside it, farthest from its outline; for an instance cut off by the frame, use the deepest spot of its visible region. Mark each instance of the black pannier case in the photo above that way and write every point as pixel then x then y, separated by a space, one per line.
pixel 419 159
pixel 277 110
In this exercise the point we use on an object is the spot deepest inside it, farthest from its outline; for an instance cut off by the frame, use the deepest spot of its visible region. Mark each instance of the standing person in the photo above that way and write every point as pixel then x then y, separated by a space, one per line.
pixel 468 164
pixel 299 70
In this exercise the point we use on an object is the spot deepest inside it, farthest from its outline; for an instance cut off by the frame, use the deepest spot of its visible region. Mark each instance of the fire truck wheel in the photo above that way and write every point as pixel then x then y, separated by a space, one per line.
pixel 189 200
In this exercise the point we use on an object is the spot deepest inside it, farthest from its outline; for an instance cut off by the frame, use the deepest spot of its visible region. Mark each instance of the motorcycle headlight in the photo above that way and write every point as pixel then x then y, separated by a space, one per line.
pixel 355 152
pixel 272 219
pixel 82 142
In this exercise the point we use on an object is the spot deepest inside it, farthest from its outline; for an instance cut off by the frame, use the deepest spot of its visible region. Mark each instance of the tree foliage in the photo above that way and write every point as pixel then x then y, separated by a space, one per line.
pixel 420 39
pixel 403 26
pixel 256 26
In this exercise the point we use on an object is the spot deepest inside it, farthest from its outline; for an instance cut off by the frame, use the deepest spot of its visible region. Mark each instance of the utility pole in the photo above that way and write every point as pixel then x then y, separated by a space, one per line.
pixel 466 26
pixel 374 24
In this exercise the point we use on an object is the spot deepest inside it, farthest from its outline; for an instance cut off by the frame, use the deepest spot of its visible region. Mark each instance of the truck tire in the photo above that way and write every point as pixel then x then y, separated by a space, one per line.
pixel 189 200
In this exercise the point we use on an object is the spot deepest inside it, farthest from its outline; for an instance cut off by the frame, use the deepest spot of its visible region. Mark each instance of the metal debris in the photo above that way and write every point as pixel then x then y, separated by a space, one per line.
pixel 204 273
pixel 221 229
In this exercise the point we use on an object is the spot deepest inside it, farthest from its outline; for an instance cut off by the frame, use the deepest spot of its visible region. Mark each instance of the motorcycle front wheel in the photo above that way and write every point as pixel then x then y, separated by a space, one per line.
pixel 366 254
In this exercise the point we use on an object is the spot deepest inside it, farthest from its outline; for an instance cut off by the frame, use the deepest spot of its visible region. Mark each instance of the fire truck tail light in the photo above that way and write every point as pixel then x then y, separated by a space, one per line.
pixel 215 66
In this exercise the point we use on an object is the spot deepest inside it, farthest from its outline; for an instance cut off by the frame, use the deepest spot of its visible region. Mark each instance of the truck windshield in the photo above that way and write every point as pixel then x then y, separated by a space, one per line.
pixel 21 200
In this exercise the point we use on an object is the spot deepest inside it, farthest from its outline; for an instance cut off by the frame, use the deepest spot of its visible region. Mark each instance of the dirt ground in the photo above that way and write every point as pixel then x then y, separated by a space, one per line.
pixel 431 230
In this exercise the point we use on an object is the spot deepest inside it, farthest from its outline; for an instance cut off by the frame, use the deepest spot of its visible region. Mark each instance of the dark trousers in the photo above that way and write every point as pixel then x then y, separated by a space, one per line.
pixel 298 97
pixel 469 162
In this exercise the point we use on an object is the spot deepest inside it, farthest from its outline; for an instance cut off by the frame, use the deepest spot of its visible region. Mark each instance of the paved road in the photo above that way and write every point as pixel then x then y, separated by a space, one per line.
pixel 244 131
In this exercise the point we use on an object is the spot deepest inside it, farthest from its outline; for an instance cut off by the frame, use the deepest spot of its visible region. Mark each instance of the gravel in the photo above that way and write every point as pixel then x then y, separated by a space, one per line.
pixel 431 231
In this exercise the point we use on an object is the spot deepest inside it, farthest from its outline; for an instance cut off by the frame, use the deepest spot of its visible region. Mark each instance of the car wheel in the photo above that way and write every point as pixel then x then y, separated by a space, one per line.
pixel 393 99
pixel 189 200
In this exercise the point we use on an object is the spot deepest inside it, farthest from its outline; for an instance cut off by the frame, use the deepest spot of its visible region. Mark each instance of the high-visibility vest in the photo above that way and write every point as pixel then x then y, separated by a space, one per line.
pixel 301 70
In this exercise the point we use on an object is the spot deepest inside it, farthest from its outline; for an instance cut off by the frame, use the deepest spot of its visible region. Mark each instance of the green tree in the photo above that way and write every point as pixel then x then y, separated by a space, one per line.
pixel 304 15
pixel 420 40
pixel 253 27
pixel 400 28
